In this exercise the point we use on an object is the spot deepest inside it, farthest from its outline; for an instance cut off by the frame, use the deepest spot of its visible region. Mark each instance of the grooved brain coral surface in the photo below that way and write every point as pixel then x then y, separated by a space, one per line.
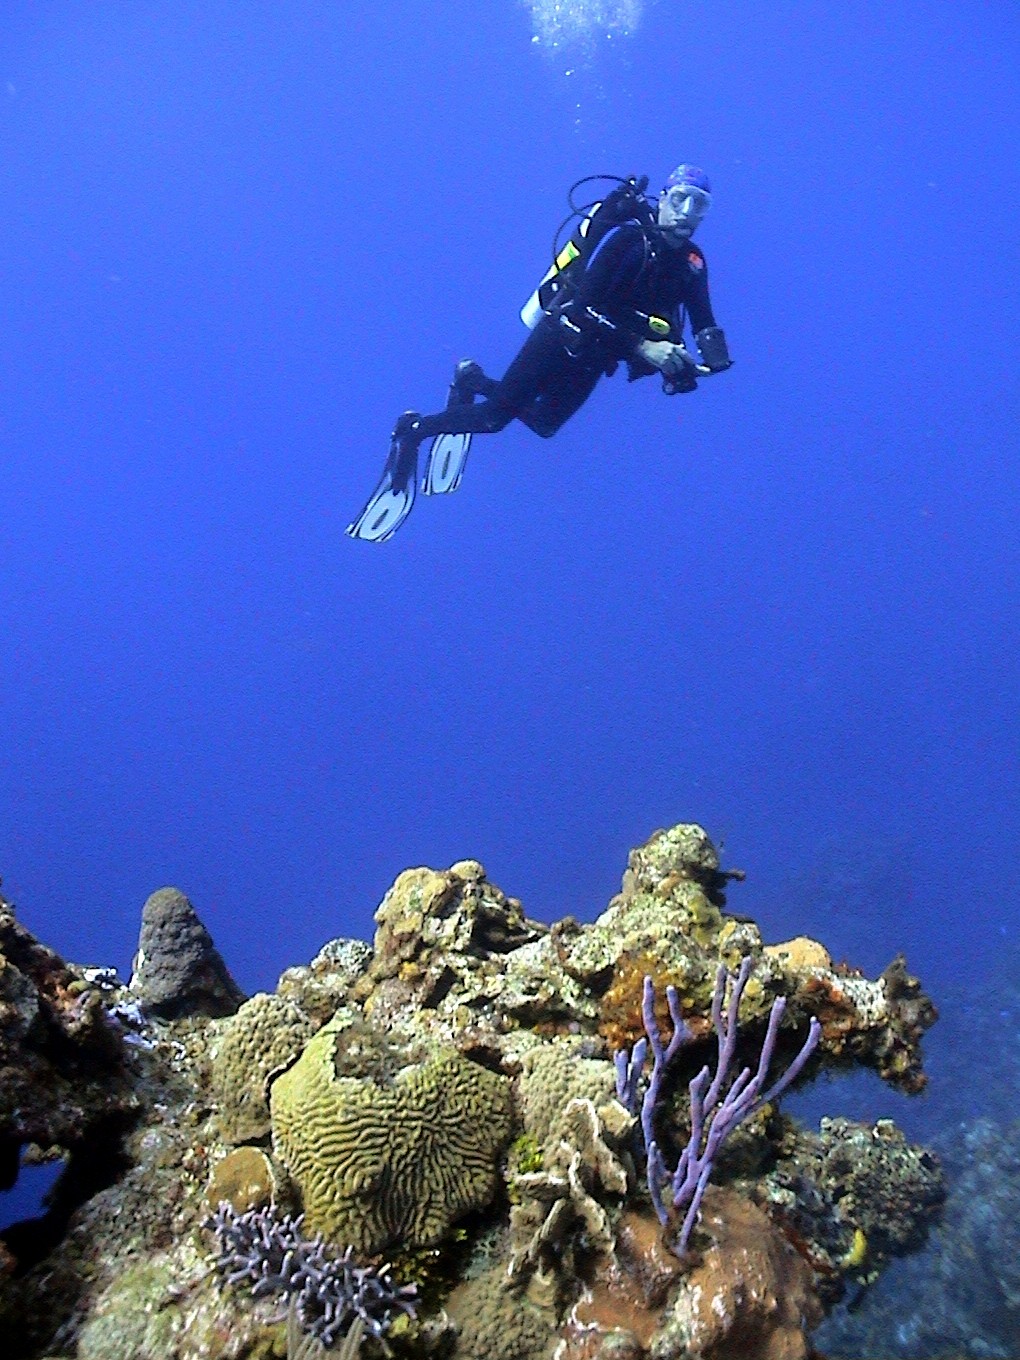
pixel 266 1033
pixel 377 1164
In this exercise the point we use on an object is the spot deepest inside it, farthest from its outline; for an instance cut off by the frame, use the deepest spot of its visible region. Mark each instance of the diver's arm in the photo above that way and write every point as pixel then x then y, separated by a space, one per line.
pixel 708 336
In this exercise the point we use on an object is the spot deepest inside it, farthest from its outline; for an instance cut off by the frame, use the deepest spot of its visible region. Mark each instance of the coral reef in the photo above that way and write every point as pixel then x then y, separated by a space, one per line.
pixel 713 1116
pixel 746 1294
pixel 265 1036
pixel 959 1293
pixel 552 1076
pixel 64 1077
pixel 245 1179
pixel 749 1295
pixel 851 1197
pixel 493 1321
pixel 961 1296
pixel 447 1096
pixel 580 1166
pixel 319 988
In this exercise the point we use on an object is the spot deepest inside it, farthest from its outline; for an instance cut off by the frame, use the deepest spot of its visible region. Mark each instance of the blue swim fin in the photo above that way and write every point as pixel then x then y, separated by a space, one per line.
pixel 446 461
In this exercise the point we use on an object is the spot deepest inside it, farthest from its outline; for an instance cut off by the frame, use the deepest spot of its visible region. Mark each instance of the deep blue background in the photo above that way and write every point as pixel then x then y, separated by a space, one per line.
pixel 238 240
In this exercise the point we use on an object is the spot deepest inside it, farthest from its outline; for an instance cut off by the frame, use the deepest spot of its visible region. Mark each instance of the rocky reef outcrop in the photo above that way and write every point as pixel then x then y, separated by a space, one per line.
pixel 67 1089
pixel 177 969
pixel 440 1111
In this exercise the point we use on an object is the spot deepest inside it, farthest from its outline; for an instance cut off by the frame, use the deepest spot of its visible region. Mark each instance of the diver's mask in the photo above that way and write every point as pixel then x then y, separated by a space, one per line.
pixel 682 208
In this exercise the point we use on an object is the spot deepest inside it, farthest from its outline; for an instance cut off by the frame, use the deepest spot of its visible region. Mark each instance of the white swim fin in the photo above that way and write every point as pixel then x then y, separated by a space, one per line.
pixel 445 466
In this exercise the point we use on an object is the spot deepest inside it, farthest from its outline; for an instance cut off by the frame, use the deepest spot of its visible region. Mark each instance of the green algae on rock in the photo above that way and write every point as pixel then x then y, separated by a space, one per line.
pixel 129 1320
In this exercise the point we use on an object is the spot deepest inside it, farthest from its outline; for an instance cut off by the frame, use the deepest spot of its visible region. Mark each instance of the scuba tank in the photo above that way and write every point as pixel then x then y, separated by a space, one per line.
pixel 625 203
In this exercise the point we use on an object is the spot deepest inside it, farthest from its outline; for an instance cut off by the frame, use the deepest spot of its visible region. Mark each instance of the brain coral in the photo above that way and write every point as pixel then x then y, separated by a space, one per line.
pixel 384 1161
pixel 265 1035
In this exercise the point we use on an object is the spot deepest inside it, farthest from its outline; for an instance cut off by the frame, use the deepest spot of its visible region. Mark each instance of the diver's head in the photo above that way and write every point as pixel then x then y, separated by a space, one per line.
pixel 684 201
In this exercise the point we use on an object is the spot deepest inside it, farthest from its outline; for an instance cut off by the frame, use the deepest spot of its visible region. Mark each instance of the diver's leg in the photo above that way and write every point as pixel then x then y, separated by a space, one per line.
pixel 487 417
pixel 541 358
pixel 562 395
pixel 451 430
pixel 505 399
pixel 469 381
pixel 448 453
pixel 541 354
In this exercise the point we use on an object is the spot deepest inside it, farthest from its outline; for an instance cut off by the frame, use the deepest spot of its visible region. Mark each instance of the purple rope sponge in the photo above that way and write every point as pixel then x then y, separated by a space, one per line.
pixel 713 1115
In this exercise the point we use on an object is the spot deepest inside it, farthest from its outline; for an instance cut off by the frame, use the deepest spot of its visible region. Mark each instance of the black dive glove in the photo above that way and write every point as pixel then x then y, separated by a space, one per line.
pixel 712 347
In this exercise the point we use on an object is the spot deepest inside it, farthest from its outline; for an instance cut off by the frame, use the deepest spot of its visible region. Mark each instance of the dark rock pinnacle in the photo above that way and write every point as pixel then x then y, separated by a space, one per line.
pixel 178 970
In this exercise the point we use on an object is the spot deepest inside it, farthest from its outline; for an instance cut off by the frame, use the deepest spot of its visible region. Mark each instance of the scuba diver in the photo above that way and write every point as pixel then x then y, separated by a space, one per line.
pixel 620 291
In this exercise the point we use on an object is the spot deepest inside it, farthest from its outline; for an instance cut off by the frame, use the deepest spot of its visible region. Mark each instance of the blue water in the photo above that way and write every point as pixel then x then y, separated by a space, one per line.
pixel 238 241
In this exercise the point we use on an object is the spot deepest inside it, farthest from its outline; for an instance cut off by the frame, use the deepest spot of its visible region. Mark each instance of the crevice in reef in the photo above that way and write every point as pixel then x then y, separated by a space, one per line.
pixel 97 1163
pixel 10 1162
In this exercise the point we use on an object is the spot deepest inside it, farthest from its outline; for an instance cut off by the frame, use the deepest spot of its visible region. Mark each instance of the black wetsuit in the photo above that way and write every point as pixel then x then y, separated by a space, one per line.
pixel 557 368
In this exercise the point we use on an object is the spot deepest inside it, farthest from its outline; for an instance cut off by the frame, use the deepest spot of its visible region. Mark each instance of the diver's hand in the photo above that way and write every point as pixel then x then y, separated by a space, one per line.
pixel 671 360
pixel 655 352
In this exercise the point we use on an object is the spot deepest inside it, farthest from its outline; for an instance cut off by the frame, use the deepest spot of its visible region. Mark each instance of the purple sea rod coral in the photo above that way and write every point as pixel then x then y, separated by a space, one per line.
pixel 268 1251
pixel 713 1115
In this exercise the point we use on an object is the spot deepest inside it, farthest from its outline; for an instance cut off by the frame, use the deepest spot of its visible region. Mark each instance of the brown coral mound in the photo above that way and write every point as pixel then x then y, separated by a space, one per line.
pixel 622 1305
pixel 178 970
pixel 750 1295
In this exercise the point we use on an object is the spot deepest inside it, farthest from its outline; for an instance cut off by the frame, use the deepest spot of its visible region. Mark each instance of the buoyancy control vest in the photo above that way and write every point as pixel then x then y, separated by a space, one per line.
pixel 624 204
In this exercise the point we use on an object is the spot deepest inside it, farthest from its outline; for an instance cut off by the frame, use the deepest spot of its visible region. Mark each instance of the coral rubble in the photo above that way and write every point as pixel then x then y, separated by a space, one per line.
pixel 442 1108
